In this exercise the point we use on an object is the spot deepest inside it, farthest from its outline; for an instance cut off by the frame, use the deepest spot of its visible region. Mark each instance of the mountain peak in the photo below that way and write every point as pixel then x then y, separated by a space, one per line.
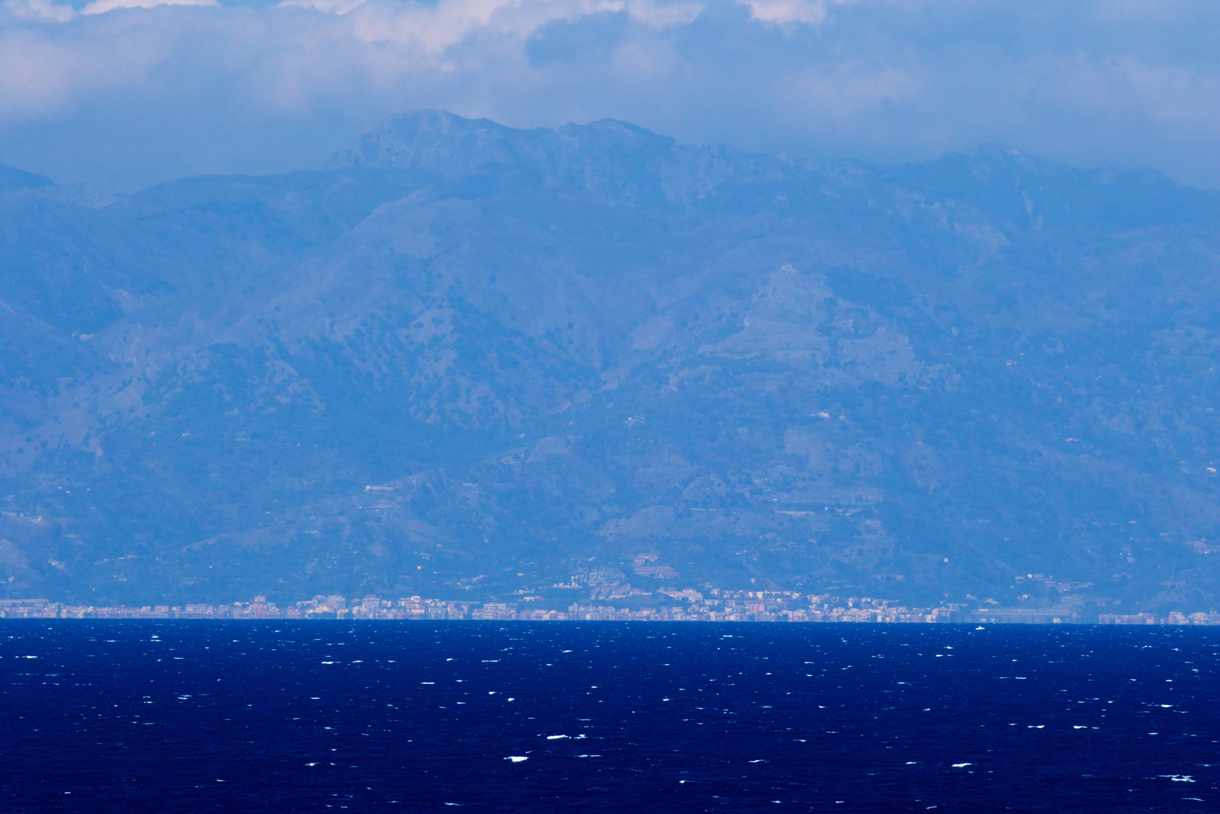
pixel 430 139
pixel 609 156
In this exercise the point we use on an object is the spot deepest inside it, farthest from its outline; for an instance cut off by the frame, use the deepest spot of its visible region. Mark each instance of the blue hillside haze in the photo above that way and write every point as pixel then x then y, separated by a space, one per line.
pixel 468 360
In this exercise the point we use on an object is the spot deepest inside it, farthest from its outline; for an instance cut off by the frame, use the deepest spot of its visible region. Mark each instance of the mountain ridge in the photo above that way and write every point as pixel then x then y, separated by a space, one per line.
pixel 917 382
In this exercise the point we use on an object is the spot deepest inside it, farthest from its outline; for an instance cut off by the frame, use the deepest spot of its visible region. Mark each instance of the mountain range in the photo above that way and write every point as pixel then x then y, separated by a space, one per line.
pixel 470 361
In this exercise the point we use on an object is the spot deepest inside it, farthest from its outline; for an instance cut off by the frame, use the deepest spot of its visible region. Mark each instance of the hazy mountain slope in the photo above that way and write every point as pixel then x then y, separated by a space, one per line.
pixel 470 360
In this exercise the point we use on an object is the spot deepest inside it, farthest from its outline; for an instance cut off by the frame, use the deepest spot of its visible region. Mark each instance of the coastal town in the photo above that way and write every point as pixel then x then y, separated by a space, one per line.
pixel 684 606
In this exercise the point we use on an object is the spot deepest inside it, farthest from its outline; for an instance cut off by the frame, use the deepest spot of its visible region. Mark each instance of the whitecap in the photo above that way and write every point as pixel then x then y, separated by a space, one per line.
pixel 517 758
pixel 1178 778
pixel 961 765
pixel 556 737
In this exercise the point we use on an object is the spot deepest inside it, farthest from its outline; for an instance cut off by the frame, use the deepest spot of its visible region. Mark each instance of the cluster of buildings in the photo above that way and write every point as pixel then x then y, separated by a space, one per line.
pixel 1174 618
pixel 645 565
pixel 679 606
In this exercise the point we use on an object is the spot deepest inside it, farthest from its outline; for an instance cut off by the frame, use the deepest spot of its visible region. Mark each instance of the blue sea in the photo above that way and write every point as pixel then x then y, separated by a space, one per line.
pixel 165 716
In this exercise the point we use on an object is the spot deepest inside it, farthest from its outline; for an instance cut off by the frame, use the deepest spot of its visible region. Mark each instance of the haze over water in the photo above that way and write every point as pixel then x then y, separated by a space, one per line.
pixel 251 717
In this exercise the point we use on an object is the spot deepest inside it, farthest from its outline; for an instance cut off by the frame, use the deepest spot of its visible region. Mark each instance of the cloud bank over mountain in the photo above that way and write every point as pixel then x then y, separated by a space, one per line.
pixel 122 93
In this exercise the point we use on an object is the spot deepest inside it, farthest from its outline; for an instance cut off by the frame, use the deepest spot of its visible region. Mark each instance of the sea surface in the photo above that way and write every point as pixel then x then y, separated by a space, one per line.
pixel 165 716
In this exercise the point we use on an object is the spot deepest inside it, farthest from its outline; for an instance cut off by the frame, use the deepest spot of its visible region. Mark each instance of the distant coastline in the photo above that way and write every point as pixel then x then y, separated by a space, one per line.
pixel 727 606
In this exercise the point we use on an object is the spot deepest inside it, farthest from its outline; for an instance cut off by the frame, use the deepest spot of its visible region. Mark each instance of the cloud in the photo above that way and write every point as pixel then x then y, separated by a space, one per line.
pixel 40 10
pixel 102 6
pixel 49 11
pixel 325 6
pixel 141 94
pixel 788 12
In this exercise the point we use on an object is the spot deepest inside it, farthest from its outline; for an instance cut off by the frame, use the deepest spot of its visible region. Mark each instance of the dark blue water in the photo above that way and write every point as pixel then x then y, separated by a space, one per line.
pixel 611 717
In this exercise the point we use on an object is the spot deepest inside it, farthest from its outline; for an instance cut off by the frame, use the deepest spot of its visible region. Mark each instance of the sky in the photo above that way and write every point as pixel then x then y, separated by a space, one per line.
pixel 121 94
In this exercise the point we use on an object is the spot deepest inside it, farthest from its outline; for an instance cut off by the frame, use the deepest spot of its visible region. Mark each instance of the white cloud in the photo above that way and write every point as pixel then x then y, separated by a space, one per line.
pixel 664 15
pixel 41 10
pixel 102 6
pixel 787 11
pixel 324 6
